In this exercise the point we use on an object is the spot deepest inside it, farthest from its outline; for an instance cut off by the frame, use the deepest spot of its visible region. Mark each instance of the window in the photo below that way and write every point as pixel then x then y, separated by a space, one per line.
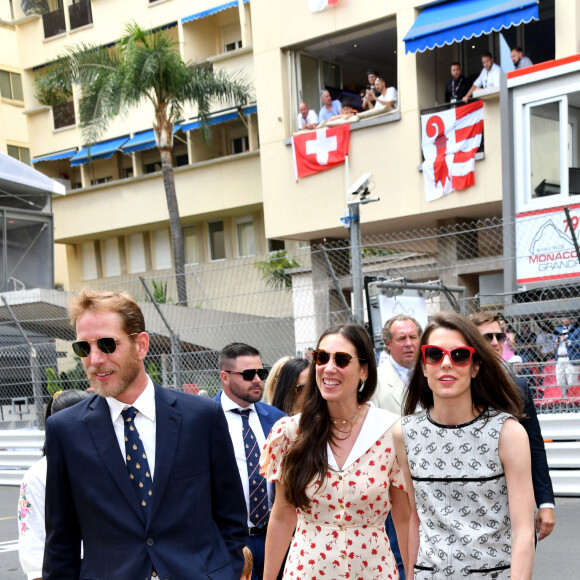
pixel 239 145
pixel 276 245
pixel 63 115
pixel 217 243
pixel 89 261
pixel 112 258
pixel 190 245
pixel 136 254
pixel 101 180
pixel 245 232
pixel 20 153
pixel 340 64
pixel 11 86
pixel 162 247
pixel 237 44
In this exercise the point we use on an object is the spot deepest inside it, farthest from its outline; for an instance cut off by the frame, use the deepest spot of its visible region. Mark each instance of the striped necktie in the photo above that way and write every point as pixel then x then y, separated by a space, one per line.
pixel 258 490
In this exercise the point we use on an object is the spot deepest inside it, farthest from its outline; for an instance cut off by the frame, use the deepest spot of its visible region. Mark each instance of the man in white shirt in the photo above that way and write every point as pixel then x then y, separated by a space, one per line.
pixel 307 118
pixel 488 77
pixel 387 96
pixel 133 470
pixel 242 376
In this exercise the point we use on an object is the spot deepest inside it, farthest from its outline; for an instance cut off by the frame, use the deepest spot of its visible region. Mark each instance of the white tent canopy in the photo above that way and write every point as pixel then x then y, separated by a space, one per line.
pixel 18 179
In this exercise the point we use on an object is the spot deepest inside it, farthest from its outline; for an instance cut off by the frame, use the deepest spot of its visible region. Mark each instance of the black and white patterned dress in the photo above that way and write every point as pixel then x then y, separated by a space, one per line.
pixel 461 497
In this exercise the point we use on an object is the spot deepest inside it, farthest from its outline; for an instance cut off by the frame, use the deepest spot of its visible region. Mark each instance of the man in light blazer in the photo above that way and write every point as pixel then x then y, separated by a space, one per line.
pixel 242 376
pixel 401 335
pixel 145 477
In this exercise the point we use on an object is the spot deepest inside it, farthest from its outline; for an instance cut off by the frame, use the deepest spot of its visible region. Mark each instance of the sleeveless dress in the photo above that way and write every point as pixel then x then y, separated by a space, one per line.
pixel 342 534
pixel 461 497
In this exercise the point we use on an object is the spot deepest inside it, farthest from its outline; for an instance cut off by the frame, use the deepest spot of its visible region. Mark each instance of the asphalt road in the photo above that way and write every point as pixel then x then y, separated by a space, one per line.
pixel 557 557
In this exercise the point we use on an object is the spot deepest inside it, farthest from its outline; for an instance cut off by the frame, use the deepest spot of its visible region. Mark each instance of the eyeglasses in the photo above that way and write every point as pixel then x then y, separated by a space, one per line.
pixel 459 356
pixel 249 374
pixel 107 344
pixel 499 336
pixel 341 359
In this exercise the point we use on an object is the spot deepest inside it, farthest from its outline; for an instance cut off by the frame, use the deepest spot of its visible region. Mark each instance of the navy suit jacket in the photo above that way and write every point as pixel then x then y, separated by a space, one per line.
pixel 543 492
pixel 196 525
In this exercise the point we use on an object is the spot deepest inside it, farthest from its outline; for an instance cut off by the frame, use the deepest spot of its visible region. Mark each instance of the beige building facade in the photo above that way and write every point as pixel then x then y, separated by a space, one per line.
pixel 238 195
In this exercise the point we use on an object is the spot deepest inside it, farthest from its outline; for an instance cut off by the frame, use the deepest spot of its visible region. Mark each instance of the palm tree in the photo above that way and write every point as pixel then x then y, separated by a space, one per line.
pixel 143 66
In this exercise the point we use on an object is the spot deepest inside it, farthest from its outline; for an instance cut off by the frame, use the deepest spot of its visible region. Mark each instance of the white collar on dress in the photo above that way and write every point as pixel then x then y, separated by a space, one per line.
pixel 375 424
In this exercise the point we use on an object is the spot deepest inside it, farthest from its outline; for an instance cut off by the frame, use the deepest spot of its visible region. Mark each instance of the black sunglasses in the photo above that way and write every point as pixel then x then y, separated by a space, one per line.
pixel 249 374
pixel 341 359
pixel 499 336
pixel 107 344
pixel 460 356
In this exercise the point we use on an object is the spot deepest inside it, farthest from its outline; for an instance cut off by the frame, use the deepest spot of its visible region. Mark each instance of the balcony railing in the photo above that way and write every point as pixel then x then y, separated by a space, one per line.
pixel 80 14
pixel 54 23
pixel 64 115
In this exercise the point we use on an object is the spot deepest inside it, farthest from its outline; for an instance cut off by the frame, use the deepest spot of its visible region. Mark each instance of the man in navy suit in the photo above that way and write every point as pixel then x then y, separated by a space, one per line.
pixel 488 325
pixel 242 376
pixel 144 476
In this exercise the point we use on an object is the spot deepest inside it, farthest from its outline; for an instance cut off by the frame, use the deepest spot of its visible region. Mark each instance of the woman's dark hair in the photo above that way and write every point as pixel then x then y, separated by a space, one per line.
pixel 63 400
pixel 285 395
pixel 307 459
pixel 492 387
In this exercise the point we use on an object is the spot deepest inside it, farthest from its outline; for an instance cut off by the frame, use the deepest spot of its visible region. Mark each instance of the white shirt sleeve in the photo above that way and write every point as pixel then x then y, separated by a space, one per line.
pixel 31 532
pixel 312 117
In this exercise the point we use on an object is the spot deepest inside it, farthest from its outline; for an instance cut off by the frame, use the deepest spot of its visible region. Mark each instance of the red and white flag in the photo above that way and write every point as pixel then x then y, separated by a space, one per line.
pixel 319 5
pixel 320 149
pixel 450 140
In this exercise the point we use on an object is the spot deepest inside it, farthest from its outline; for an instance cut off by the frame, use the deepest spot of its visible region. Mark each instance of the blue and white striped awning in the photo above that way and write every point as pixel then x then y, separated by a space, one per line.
pixel 211 11
pixel 221 117
pixel 56 156
pixel 103 150
pixel 143 140
pixel 457 20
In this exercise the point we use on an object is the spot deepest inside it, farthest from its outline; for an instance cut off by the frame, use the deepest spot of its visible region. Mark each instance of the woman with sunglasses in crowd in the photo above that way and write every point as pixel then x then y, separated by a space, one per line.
pixel 466 460
pixel 335 471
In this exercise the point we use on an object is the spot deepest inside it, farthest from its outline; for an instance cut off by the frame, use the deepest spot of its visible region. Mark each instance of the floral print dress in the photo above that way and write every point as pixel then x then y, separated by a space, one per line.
pixel 342 534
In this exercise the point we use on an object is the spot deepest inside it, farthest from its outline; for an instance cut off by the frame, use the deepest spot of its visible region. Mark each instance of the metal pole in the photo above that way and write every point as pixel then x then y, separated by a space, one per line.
pixel 34 370
pixel 356 262
pixel 175 341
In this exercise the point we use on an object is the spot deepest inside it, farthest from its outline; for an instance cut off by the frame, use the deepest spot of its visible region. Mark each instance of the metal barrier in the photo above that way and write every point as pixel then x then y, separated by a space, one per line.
pixel 19 449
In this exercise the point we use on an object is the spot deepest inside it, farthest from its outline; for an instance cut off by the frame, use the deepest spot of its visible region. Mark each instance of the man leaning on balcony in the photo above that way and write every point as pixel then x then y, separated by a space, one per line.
pixel 488 77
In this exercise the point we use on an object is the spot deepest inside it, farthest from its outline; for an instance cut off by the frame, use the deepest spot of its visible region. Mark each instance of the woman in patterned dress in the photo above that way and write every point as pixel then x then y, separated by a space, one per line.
pixel 335 470
pixel 466 460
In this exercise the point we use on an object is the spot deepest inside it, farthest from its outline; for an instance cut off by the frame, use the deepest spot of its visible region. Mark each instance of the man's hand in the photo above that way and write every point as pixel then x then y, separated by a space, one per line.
pixel 545 521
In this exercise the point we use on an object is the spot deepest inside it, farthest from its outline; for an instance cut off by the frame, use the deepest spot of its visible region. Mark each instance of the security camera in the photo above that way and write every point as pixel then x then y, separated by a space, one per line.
pixel 361 184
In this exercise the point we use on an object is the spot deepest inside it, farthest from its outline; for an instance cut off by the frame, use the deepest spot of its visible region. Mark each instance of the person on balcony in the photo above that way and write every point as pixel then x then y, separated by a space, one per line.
pixel 387 97
pixel 329 107
pixel 370 94
pixel 518 58
pixel 457 86
pixel 488 77
pixel 307 118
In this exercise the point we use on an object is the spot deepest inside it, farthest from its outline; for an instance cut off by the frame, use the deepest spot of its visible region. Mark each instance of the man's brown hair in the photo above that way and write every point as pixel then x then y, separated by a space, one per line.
pixel 99 301
pixel 479 318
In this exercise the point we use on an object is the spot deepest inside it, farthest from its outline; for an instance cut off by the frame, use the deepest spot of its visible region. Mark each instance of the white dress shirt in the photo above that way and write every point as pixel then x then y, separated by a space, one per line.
pixel 144 422
pixel 235 425
pixel 312 117
pixel 488 79
pixel 403 372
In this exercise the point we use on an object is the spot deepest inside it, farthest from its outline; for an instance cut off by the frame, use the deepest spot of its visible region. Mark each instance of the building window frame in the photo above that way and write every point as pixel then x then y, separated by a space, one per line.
pixel 217 246
pixel 11 87
pixel 245 237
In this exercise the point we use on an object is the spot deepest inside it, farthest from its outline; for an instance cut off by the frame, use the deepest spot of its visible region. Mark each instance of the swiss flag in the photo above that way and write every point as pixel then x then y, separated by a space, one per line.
pixel 320 149
pixel 319 5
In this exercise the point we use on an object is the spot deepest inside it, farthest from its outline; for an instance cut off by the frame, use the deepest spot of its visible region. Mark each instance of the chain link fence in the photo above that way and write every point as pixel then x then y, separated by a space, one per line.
pixel 281 302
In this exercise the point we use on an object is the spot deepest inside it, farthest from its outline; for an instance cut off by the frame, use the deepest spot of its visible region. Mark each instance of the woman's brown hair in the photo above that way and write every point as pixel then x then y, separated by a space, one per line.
pixel 492 387
pixel 307 459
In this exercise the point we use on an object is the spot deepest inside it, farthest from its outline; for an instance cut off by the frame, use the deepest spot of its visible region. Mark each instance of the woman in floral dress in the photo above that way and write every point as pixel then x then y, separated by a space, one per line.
pixel 466 461
pixel 335 470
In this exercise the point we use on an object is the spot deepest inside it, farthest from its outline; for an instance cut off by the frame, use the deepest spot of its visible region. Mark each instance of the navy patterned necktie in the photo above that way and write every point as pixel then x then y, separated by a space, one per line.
pixel 136 457
pixel 258 489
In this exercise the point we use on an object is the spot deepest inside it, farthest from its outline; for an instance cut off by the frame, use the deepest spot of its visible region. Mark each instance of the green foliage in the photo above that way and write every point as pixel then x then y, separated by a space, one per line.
pixel 50 93
pixel 52 382
pixel 159 293
pixel 375 252
pixel 274 268
pixel 153 372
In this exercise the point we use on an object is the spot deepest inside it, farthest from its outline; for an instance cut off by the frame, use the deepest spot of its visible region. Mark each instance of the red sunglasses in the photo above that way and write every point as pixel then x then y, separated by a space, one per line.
pixel 459 356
